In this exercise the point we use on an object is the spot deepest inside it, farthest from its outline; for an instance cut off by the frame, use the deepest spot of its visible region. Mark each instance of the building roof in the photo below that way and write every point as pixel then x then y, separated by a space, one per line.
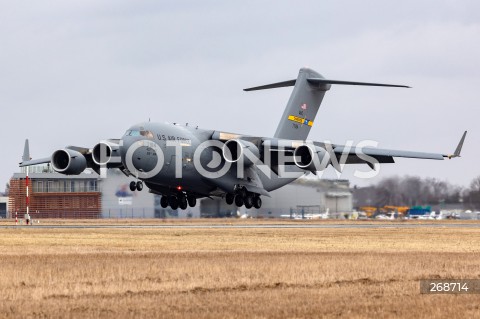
pixel 55 176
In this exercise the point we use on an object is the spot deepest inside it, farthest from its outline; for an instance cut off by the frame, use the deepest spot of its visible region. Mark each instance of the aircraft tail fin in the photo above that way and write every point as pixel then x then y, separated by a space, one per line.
pixel 302 107
pixel 26 152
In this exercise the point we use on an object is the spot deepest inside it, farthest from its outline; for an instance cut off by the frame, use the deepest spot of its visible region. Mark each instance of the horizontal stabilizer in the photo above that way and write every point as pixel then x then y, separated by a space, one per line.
pixel 273 85
pixel 320 81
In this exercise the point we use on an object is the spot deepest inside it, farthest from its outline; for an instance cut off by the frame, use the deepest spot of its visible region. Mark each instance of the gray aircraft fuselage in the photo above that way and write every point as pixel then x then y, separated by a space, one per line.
pixel 188 139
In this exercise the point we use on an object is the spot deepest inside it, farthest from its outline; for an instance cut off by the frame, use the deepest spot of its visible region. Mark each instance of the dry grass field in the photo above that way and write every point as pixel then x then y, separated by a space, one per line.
pixel 234 273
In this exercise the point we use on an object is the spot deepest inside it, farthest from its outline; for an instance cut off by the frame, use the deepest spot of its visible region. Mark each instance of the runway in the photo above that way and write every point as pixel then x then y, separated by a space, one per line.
pixel 251 226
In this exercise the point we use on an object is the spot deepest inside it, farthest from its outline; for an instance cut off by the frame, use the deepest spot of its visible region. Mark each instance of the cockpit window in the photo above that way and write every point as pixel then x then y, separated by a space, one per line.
pixel 132 133
pixel 147 134
pixel 143 133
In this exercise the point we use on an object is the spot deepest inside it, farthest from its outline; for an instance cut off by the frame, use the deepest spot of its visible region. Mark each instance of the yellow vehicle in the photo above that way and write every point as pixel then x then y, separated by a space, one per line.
pixel 371 210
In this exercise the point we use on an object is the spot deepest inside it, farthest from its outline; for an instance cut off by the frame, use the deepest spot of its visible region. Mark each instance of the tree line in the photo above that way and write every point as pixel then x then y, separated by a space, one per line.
pixel 414 190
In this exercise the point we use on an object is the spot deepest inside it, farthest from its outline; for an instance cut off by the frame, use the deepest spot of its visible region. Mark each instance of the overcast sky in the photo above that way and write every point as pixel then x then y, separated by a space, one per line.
pixel 76 72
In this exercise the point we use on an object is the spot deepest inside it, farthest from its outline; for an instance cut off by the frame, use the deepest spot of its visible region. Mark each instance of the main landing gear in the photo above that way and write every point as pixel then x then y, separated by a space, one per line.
pixel 244 197
pixel 180 200
pixel 136 186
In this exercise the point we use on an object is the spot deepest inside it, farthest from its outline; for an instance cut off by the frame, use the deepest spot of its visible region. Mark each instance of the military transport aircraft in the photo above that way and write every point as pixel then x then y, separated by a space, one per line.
pixel 183 163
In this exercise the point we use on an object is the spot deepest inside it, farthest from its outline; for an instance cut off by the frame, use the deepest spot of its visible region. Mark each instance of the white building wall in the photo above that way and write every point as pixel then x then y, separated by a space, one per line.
pixel 285 199
pixel 310 196
pixel 119 202
pixel 339 204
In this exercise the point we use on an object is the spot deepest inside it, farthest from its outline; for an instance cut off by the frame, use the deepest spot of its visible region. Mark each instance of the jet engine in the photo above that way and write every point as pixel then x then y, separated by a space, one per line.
pixel 103 152
pixel 68 162
pixel 233 150
pixel 311 158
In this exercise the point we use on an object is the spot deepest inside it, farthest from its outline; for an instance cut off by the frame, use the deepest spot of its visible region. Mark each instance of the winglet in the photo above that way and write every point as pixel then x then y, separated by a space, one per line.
pixel 26 152
pixel 459 147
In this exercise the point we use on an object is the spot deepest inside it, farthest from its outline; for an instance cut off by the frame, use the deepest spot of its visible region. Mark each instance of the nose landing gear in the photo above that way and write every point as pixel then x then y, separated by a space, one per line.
pixel 136 186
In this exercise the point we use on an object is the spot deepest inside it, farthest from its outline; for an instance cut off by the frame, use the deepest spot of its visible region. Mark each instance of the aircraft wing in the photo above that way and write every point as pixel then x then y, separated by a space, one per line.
pixel 347 155
pixel 35 162
pixel 378 152
pixel 353 155
pixel 357 155
pixel 381 155
pixel 28 161
pixel 81 150
pixel 385 154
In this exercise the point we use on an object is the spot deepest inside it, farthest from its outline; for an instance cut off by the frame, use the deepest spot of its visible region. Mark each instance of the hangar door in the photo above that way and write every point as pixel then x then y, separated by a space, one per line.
pixel 3 210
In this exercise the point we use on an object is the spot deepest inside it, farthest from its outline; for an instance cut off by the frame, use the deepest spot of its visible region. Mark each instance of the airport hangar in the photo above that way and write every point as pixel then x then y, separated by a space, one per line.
pixel 3 206
pixel 54 195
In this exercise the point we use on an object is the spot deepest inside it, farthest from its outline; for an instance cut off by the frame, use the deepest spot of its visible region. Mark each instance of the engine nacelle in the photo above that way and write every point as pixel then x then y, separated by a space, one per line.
pixel 311 158
pixel 234 150
pixel 68 162
pixel 103 152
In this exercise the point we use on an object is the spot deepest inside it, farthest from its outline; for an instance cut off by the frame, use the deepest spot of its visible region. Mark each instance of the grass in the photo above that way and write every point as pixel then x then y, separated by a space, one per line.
pixel 234 273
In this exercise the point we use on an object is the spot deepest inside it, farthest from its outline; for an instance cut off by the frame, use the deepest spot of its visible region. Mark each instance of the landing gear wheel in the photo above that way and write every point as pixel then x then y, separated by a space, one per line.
pixel 182 202
pixel 229 199
pixel 242 192
pixel 257 202
pixel 173 201
pixel 139 186
pixel 248 201
pixel 192 200
pixel 239 200
pixel 133 186
pixel 164 201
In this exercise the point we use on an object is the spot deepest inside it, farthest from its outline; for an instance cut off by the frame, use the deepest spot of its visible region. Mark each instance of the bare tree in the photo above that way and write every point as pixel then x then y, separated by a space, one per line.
pixel 472 196
pixel 475 184
pixel 412 191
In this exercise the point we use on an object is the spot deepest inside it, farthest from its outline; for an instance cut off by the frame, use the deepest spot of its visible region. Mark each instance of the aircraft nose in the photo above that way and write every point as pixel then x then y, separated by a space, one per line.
pixel 141 158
